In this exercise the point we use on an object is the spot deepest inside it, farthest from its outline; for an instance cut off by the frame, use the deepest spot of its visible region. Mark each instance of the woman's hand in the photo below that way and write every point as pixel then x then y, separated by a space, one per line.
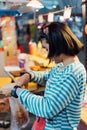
pixel 23 80
pixel 6 90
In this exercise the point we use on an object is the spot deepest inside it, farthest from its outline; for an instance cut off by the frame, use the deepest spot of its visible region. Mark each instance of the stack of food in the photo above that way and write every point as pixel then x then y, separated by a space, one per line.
pixel 39 63
pixel 4 112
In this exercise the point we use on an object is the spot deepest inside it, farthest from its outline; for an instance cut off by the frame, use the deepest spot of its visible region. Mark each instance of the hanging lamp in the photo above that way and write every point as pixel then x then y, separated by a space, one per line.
pixel 35 4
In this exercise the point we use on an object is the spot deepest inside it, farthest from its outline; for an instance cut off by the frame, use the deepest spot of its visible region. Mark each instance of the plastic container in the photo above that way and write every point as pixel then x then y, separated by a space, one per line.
pixel 22 60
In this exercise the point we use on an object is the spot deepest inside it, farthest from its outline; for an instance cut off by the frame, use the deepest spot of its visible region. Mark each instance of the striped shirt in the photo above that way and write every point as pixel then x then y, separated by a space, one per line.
pixel 63 96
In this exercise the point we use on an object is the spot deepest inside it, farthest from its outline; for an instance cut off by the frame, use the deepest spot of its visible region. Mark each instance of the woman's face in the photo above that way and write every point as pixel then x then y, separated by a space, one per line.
pixel 45 44
pixel 56 59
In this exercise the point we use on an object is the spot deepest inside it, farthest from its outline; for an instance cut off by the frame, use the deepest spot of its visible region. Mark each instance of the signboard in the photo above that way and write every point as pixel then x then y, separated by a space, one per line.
pixel 9 40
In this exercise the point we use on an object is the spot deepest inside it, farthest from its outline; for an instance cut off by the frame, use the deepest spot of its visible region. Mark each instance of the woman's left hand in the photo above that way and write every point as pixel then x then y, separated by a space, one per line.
pixel 6 90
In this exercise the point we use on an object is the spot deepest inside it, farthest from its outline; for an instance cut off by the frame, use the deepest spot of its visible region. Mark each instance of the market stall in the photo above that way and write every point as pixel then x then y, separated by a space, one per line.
pixel 8 40
pixel 14 63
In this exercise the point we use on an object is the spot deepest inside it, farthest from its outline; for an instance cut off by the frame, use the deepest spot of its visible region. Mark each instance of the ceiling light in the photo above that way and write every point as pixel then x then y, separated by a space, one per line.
pixel 54 6
pixel 35 4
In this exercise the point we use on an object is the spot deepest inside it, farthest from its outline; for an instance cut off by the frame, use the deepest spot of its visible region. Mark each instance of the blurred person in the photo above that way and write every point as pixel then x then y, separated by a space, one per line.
pixel 60 106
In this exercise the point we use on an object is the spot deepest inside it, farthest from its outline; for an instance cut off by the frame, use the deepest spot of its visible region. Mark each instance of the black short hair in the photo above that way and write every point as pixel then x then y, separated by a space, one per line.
pixel 61 40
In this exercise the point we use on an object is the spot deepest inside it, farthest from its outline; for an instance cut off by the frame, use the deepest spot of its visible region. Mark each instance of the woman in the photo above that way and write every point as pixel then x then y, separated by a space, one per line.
pixel 60 107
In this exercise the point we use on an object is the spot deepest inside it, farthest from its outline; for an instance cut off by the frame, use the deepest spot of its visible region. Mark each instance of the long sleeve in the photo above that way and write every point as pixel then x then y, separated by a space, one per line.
pixel 39 77
pixel 42 77
pixel 63 97
pixel 60 95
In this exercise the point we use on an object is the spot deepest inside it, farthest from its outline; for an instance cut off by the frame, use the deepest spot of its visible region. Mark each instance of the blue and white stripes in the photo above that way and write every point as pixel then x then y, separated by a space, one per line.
pixel 62 100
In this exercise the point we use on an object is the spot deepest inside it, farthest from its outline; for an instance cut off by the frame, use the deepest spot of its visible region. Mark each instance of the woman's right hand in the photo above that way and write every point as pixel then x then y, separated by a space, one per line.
pixel 23 80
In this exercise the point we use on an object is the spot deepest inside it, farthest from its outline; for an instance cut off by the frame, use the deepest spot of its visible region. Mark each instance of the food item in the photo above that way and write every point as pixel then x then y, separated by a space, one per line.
pixel 32 86
pixel 4 105
pixel 21 116
pixel 35 68
pixel 39 68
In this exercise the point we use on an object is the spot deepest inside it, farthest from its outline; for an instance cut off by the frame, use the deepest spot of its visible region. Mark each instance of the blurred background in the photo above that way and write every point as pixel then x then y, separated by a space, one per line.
pixel 20 47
